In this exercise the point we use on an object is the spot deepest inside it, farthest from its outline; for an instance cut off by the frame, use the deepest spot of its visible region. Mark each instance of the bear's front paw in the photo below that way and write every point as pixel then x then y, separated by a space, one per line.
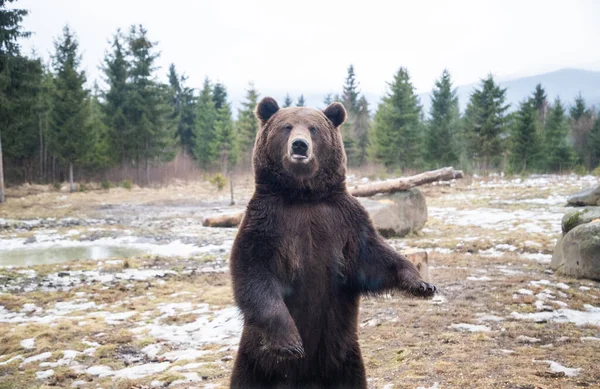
pixel 287 346
pixel 423 289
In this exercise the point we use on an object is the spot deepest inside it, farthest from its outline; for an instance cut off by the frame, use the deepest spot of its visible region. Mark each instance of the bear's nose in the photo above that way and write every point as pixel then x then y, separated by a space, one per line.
pixel 300 147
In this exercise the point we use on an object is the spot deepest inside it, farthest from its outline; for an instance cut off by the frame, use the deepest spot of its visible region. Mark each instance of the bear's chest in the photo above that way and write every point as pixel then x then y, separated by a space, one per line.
pixel 312 239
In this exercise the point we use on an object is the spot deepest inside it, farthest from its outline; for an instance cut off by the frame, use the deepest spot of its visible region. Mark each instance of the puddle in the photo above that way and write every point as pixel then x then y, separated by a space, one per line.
pixel 48 255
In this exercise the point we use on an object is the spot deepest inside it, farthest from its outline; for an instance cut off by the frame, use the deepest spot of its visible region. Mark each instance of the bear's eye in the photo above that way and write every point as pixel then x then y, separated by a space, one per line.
pixel 313 130
pixel 288 127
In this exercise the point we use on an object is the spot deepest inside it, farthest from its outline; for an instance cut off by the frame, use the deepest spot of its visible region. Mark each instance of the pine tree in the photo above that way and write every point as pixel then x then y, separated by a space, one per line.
pixel 287 102
pixel 10 32
pixel 301 102
pixel 523 140
pixel 70 114
pixel 594 145
pixel 328 99
pixel 183 106
pixel 204 129
pixel 114 104
pixel 247 125
pixel 219 95
pixel 558 154
pixel 148 110
pixel 397 128
pixel 485 122
pixel 442 127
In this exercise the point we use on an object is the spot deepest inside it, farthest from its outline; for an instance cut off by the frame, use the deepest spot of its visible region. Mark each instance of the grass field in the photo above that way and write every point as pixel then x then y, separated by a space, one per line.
pixel 163 317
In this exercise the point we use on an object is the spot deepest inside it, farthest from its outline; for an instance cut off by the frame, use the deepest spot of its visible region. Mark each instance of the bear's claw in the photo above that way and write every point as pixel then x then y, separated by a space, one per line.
pixel 424 289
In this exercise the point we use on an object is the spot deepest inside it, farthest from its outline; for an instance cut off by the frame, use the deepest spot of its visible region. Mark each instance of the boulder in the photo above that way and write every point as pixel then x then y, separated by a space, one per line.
pixel 578 252
pixel 589 196
pixel 397 214
pixel 579 216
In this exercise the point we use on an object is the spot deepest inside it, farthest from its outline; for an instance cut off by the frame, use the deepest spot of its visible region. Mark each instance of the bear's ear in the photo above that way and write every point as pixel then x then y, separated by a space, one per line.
pixel 265 109
pixel 336 113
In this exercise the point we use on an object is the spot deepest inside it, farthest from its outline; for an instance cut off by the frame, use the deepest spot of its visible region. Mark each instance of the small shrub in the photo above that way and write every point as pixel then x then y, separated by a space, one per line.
pixel 126 184
pixel 56 185
pixel 596 171
pixel 580 170
pixel 83 188
pixel 219 181
pixel 106 185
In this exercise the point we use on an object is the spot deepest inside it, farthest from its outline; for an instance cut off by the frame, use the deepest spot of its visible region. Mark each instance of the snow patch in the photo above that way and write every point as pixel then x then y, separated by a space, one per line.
pixel 470 327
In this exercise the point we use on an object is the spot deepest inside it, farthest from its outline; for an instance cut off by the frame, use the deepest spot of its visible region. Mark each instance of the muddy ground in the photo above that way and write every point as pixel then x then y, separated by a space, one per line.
pixel 154 306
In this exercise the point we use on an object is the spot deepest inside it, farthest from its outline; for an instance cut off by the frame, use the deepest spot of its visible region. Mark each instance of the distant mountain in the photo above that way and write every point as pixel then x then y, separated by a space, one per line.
pixel 566 83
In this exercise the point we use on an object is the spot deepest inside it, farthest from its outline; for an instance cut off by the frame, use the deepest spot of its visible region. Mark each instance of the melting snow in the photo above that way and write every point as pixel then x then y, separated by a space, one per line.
pixel 470 327
pixel 591 317
pixel 42 375
pixel 556 367
pixel 28 344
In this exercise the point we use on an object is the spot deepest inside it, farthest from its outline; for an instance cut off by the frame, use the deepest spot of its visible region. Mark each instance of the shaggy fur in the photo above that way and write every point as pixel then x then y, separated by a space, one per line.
pixel 304 254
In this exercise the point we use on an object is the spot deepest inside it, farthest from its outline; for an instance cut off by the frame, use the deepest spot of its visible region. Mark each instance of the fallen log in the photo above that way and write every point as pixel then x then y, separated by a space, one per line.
pixel 405 183
pixel 365 190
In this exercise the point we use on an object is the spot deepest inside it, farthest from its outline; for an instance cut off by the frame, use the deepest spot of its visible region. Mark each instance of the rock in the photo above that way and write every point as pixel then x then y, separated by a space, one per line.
pixel 397 214
pixel 589 196
pixel 576 217
pixel 580 251
pixel 558 259
pixel 223 220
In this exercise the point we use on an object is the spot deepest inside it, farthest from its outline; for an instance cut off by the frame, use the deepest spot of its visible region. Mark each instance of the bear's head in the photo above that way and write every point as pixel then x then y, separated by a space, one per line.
pixel 298 151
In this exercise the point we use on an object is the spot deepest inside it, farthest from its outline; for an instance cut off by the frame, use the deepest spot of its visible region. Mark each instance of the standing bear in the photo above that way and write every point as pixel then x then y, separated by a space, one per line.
pixel 305 252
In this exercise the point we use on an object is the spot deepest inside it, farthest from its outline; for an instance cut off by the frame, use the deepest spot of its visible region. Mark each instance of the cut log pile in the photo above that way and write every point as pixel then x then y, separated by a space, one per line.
pixel 365 190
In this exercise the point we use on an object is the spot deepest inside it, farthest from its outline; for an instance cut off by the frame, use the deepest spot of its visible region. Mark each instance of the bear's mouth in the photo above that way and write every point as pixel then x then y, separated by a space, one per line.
pixel 299 157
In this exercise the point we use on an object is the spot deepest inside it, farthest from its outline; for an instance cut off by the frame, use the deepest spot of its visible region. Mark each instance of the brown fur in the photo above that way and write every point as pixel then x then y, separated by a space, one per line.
pixel 305 252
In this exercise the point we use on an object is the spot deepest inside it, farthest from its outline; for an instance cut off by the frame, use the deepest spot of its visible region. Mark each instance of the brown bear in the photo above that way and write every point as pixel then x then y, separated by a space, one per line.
pixel 305 252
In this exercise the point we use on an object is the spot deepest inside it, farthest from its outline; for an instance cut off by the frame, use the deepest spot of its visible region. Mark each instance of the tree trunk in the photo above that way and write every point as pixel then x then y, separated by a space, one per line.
pixel 147 172
pixel 405 183
pixel 231 189
pixel 71 183
pixel 1 174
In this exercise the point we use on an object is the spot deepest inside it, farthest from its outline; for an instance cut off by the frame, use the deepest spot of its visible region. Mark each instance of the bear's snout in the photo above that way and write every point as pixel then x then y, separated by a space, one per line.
pixel 300 145
pixel 299 148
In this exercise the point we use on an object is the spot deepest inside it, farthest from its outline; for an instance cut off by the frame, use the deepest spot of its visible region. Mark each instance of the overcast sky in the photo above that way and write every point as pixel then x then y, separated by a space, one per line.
pixel 306 46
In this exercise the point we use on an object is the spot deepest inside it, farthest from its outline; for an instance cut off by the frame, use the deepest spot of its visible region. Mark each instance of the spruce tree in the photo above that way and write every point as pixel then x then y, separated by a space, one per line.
pixel 328 99
pixel 247 125
pixel 579 109
pixel 397 128
pixel 219 95
pixel 485 123
pixel 183 106
pixel 362 128
pixel 557 152
pixel 287 102
pixel 523 140
pixel 148 108
pixel 11 31
pixel 350 93
pixel 301 102
pixel 350 129
pixel 594 145
pixel 442 128
pixel 204 130
pixel 226 139
pixel 114 103
pixel 71 138
pixel 541 106
pixel 582 122
pixel 99 157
